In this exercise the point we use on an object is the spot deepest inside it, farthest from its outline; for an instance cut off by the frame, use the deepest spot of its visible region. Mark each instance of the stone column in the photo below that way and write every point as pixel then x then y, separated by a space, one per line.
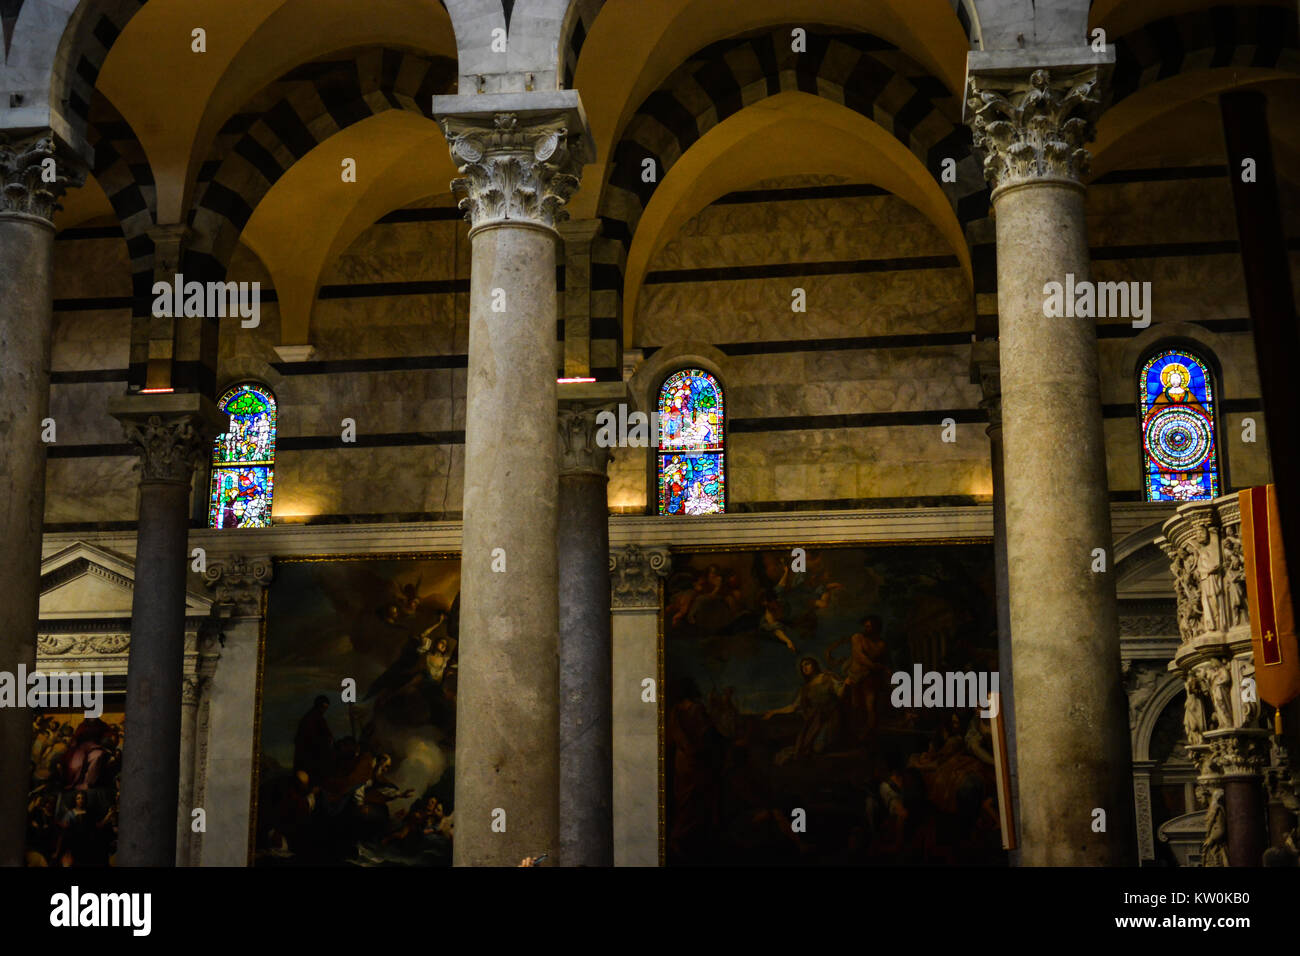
pixel 586 767
pixel 28 201
pixel 984 371
pixel 225 760
pixel 520 165
pixel 1072 748
pixel 172 432
pixel 1225 734
pixel 636 574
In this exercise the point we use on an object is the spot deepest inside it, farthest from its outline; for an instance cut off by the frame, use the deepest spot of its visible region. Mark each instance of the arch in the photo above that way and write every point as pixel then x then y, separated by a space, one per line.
pixel 858 72
pixel 1178 401
pixel 690 444
pixel 328 101
pixel 1168 689
pixel 578 21
pixel 242 483
pixel 1179 59
pixel 57 50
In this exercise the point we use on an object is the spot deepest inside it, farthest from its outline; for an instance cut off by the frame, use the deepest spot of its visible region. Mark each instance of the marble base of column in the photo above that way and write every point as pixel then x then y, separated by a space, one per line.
pixel 172 432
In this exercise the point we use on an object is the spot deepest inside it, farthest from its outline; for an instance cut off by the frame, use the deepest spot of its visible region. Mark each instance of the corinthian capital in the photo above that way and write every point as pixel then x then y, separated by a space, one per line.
pixel 36 172
pixel 170 448
pixel 580 453
pixel 172 432
pixel 1033 126
pixel 519 155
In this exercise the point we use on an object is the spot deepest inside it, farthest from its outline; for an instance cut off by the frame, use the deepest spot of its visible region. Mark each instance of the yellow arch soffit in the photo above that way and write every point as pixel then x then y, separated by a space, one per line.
pixel 785 135
pixel 634 45
pixel 83 204
pixel 176 100
pixel 311 215
pixel 1159 99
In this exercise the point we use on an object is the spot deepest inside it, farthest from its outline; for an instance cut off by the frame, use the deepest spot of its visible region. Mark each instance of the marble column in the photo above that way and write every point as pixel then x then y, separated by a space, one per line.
pixel 519 166
pixel 636 577
pixel 984 372
pixel 28 201
pixel 582 546
pixel 172 433
pixel 1073 748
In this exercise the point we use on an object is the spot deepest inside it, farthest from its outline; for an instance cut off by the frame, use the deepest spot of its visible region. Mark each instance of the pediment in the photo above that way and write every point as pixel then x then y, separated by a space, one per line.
pixel 84 580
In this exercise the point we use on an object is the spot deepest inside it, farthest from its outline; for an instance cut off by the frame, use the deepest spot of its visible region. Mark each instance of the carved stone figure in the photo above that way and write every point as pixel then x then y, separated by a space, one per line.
pixel 1235 580
pixel 1193 712
pixel 1214 848
pixel 1209 568
pixel 1217 679
pixel 1189 602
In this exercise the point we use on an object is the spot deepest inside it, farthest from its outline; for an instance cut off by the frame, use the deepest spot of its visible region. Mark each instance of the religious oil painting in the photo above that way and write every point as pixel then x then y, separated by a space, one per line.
pixel 72 796
pixel 358 713
pixel 787 738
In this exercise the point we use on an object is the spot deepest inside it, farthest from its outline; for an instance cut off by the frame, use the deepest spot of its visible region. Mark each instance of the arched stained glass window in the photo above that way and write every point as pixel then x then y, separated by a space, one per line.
pixel 1180 444
pixel 692 432
pixel 243 460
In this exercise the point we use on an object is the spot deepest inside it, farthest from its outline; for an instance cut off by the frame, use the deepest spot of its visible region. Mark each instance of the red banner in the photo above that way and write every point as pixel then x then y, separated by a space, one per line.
pixel 1272 623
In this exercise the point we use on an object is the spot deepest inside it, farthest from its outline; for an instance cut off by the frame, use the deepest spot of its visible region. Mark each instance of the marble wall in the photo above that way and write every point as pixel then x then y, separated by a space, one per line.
pixel 397 296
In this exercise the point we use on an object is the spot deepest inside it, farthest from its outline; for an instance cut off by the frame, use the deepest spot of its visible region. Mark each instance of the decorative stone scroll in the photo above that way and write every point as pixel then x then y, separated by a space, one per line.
pixel 635 573
pixel 237 583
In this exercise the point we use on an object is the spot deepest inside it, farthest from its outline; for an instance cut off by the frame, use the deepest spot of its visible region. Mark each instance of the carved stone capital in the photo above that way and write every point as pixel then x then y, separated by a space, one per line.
pixel 237 583
pixel 635 573
pixel 36 172
pixel 170 447
pixel 580 454
pixel 1238 753
pixel 173 432
pixel 1033 126
pixel 515 169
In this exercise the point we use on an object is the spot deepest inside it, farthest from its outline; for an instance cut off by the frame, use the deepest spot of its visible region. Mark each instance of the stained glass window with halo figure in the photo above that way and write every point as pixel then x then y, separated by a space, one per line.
pixel 1180 444
pixel 692 432
pixel 243 460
